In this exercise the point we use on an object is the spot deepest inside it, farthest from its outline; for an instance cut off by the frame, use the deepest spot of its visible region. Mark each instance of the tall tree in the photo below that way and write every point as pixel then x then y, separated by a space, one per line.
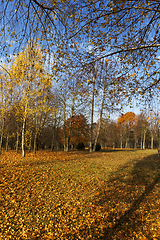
pixel 109 87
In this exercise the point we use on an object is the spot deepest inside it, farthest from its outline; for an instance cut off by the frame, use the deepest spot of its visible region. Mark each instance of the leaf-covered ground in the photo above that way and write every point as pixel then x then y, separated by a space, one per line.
pixel 80 195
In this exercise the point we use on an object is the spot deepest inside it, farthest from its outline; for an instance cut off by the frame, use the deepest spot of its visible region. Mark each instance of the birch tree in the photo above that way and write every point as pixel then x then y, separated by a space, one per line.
pixel 32 80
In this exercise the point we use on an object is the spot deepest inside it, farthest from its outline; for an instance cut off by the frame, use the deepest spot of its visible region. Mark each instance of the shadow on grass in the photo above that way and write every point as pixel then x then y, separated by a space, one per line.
pixel 118 150
pixel 131 197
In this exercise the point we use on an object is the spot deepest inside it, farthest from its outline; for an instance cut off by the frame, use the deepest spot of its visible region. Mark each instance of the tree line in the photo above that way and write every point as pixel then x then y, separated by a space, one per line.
pixel 32 96
pixel 35 115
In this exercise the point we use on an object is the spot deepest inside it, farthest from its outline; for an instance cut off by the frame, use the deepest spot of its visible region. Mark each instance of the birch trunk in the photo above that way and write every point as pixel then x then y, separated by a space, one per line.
pixel 23 131
pixel 70 124
pixel 92 112
pixel 23 140
pixel 113 145
pixel 126 145
pixel 100 119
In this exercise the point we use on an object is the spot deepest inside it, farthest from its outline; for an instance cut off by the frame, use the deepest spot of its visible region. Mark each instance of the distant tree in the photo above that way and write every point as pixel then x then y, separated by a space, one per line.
pixel 104 133
pixel 142 129
pixel 80 130
pixel 126 124
pixel 153 128
pixel 108 136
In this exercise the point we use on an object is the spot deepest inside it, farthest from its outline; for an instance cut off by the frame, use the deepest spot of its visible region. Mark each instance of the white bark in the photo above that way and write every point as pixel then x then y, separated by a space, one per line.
pixel 70 124
pixel 92 112
pixel 23 131
pixel 100 119
pixel 144 139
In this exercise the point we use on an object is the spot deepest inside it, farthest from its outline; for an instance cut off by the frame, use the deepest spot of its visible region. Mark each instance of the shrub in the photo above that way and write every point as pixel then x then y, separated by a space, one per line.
pixel 80 146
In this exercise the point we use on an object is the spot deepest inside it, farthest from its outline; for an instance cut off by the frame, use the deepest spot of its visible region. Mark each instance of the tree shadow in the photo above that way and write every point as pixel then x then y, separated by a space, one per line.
pixel 131 198
pixel 119 150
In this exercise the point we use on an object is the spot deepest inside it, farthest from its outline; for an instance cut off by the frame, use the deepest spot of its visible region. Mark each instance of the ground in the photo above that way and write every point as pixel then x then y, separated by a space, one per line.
pixel 80 195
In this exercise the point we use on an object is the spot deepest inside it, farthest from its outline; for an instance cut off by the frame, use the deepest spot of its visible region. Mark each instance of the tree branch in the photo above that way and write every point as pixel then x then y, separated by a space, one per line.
pixel 43 6
pixel 127 50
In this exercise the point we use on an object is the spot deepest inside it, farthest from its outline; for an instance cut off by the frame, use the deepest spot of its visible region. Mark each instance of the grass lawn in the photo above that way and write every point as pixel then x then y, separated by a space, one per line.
pixel 80 195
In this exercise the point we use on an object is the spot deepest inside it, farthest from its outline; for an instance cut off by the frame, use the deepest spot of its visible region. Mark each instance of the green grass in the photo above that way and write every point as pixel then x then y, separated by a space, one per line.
pixel 80 195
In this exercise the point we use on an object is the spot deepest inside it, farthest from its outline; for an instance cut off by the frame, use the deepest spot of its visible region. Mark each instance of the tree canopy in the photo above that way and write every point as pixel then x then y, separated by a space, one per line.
pixel 78 33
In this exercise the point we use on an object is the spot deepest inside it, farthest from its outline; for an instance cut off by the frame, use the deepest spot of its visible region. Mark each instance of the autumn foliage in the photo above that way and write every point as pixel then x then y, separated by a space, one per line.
pixel 128 119
pixel 80 130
